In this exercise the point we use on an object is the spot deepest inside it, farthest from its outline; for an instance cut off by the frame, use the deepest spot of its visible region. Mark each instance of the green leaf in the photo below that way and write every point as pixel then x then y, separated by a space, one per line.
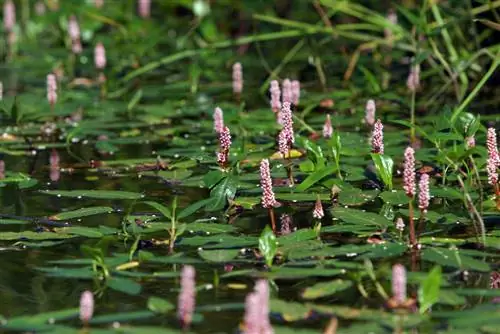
pixel 89 232
pixel 135 99
pixel 33 235
pixel 83 212
pixel 99 194
pixel 428 292
pixel 218 255
pixel 325 289
pixel 160 305
pixel 121 317
pixel 125 285
pixel 359 217
pixel 223 191
pixel 383 165
pixel 160 207
pixel 453 258
pixel 268 245
pixel 315 177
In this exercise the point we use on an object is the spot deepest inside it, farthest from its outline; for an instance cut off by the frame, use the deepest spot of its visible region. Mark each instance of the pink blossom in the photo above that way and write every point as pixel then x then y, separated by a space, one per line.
pixel 378 138
pixel 283 144
pixel 256 319
pixel 73 28
pixel 400 224
pixel 275 93
pixel 286 224
pixel 9 15
pixel 423 192
pixel 491 145
pixel 470 142
pixel 286 136
pixel 224 146
pixel 237 78
pixel 295 87
pixel 100 56
pixel 76 46
pixel 286 91
pixel 413 82
pixel 268 199
pixel 218 120
pixel 86 306
pixel 399 283
pixel 491 169
pixel 186 300
pixel 51 89
pixel 54 158
pixel 370 112
pixel 318 212
pixel 144 7
pixel 409 182
pixel 327 127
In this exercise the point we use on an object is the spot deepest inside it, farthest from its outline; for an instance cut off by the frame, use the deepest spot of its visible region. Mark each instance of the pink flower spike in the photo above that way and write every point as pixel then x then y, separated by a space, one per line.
pixel 318 212
pixel 370 112
pixel 378 138
pixel 491 169
pixel 9 15
pixel 423 192
pixel 144 8
pixel 51 89
pixel 86 306
pixel 1 91
pixel 327 127
pixel 100 56
pixel 256 319
pixel 287 122
pixel 295 87
pixel 266 183
pixel 218 120
pixel 283 145
pixel 54 159
pixel 73 28
pixel 409 182
pixel 224 145
pixel 413 82
pixel 491 144
pixel 187 296
pixel 275 93
pixel 399 283
pixel 286 91
pixel 392 17
pixel 237 78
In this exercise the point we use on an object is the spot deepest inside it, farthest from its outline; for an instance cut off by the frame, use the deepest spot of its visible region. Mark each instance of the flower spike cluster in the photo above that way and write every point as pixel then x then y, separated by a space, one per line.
pixel 318 212
pixel 327 127
pixel 266 183
pixel 256 319
pixel 378 138
pixel 423 192
pixel 218 120
pixel 370 112
pixel 86 306
pixel 100 56
pixel 409 182
pixel 275 92
pixel 493 158
pixel 286 91
pixel 295 88
pixel 187 296
pixel 399 283
pixel 286 136
pixel 237 78
pixel 224 146
pixel 74 34
pixel 51 89
pixel 144 8
pixel 9 15
pixel 413 81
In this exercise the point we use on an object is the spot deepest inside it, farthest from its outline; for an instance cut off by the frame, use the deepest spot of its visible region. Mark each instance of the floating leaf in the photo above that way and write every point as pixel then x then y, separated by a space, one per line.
pixel 125 285
pixel 100 194
pixel 160 305
pixel 83 212
pixel 219 255
pixel 428 292
pixel 325 289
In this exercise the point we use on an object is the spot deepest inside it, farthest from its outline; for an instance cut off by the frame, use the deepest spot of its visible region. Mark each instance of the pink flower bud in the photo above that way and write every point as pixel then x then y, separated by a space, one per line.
pixel 100 56
pixel 423 192
pixel 413 82
pixel 73 28
pixel 318 212
pixel 491 169
pixel 218 120
pixel 399 283
pixel 1 91
pixel 370 112
pixel 9 15
pixel 54 158
pixel 491 144
pixel 286 91
pixel 256 319
pixel 237 78
pixel 187 296
pixel 327 127
pixel 470 142
pixel 378 138
pixel 86 306
pixel 144 7
pixel 51 89
pixel 275 93
pixel 295 88
pixel 400 224
pixel 268 199
pixel 409 182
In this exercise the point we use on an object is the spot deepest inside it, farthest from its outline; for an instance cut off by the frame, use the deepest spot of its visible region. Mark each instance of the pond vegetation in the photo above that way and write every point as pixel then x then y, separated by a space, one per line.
pixel 249 166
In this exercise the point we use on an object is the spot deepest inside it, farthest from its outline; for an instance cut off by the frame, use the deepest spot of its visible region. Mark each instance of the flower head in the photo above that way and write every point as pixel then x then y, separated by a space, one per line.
pixel 327 127
pixel 186 300
pixel 256 319
pixel 318 212
pixel 399 283
pixel 218 120
pixel 1 91
pixel 491 145
pixel 286 136
pixel 73 28
pixel 224 146
pixel 144 8
pixel 413 81
pixel 491 170
pixel 9 15
pixel 295 88
pixel 237 78
pixel 51 89
pixel 275 93
pixel 423 192
pixel 370 112
pixel 86 306
pixel 100 56
pixel 286 91
pixel 400 224
pixel 409 182
pixel 378 138
pixel 268 199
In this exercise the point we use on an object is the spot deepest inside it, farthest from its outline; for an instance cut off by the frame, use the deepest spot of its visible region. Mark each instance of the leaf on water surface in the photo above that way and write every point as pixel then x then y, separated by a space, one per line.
pixel 83 212
pixel 453 258
pixel 6 221
pixel 300 197
pixel 189 210
pixel 325 289
pixel 385 250
pixel 353 216
pixel 212 228
pixel 89 232
pixel 395 197
pixel 39 322
pixel 121 317
pixel 290 311
pixel 160 305
pixel 80 273
pixel 354 196
pixel 428 291
pixel 125 285
pixel 224 190
pixel 297 236
pixel 300 273
pixel 30 235
pixel 98 194
pixel 220 240
pixel 218 255
pixel 450 297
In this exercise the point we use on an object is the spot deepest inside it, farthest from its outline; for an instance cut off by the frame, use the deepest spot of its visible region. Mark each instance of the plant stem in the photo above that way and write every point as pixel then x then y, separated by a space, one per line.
pixel 412 224
pixel 273 219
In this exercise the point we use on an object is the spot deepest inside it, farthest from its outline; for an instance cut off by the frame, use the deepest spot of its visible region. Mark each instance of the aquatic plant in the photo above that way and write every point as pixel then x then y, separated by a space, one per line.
pixel 224 146
pixel 237 79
